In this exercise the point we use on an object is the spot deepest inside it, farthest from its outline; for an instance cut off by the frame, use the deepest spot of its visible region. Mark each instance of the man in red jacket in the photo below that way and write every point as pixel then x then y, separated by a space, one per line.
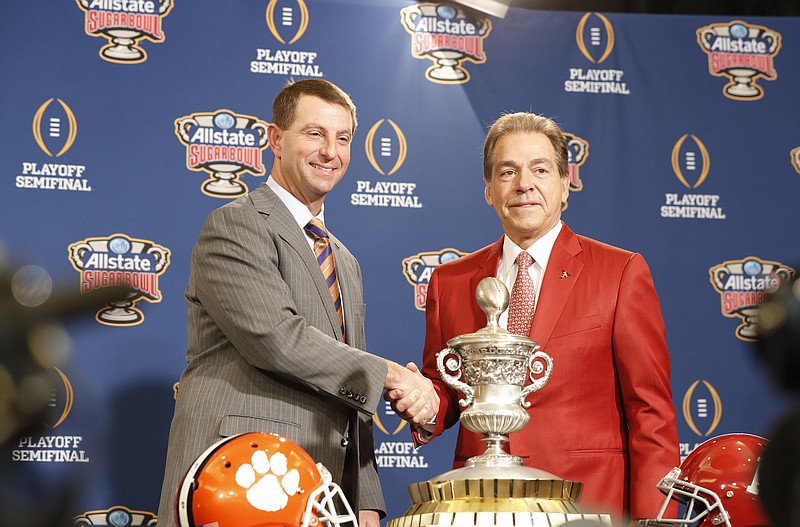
pixel 606 417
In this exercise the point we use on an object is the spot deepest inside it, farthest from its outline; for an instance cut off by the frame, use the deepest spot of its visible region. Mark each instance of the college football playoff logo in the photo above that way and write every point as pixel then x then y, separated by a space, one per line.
pixel 596 32
pixel 702 406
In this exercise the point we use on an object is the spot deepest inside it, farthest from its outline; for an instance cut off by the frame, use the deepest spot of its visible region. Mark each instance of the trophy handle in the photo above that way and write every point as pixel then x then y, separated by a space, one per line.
pixel 705 37
pixel 535 367
pixel 410 15
pixel 76 253
pixel 580 150
pixel 262 133
pixel 162 257
pixel 452 381
pixel 183 127
pixel 772 39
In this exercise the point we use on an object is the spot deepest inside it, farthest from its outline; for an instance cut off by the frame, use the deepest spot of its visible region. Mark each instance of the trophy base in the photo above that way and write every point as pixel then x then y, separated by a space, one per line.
pixel 468 496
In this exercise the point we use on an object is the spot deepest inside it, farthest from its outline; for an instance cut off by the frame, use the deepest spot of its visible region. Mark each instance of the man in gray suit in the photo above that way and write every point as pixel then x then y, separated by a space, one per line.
pixel 267 351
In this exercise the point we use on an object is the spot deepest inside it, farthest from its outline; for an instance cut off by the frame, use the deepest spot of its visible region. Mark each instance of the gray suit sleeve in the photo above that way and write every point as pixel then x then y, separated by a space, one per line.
pixel 259 291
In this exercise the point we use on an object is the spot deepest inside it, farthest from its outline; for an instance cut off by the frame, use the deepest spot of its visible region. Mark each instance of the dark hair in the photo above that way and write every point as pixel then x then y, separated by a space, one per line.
pixel 524 122
pixel 283 108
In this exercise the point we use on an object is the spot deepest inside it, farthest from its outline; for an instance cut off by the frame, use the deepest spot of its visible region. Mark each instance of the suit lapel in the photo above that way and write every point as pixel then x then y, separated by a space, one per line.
pixel 487 266
pixel 560 277
pixel 268 204
pixel 348 278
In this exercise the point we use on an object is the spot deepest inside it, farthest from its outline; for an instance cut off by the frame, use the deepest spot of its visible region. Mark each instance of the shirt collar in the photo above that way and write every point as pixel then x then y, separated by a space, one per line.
pixel 539 251
pixel 297 208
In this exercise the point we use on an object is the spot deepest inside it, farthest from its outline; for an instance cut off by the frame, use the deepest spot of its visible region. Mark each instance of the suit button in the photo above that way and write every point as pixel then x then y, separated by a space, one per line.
pixel 342 390
pixel 345 441
pixel 362 399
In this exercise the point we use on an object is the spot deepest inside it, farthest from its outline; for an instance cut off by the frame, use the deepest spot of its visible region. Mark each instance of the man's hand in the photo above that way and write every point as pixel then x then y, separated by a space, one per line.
pixel 412 396
pixel 368 518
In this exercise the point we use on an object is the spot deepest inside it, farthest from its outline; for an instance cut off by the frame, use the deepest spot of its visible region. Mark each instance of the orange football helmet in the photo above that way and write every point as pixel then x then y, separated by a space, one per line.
pixel 717 484
pixel 257 479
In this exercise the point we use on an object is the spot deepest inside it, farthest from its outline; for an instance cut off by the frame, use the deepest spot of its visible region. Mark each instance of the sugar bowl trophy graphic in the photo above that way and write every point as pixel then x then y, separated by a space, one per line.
pixel 742 285
pixel 224 144
pixel 742 52
pixel 119 260
pixel 447 36
pixel 124 24
pixel 494 488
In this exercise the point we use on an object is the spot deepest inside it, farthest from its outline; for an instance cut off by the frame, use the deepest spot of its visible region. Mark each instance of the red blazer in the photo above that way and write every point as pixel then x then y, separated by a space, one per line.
pixel 606 416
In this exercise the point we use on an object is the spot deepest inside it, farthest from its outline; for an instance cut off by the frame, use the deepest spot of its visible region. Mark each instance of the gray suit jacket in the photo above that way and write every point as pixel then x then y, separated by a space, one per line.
pixel 265 351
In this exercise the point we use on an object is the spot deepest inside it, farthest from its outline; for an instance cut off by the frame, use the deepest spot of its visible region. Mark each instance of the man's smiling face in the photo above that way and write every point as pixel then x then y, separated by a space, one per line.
pixel 314 150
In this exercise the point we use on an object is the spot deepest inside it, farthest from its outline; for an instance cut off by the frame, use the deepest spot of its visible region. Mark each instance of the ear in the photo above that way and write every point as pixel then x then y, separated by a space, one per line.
pixel 274 135
pixel 564 191
pixel 487 193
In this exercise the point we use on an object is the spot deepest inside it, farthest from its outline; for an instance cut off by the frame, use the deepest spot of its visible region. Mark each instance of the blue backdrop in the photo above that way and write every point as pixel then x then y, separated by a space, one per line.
pixel 123 129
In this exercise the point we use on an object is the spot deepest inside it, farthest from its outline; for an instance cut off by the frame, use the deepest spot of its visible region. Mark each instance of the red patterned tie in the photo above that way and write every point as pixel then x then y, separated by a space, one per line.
pixel 322 249
pixel 520 310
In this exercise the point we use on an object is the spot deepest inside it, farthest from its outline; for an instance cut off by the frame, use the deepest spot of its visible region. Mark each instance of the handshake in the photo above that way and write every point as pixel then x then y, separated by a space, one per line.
pixel 411 395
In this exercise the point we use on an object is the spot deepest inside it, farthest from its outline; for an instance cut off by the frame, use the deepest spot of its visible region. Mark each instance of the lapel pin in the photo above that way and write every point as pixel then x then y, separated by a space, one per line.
pixel 564 273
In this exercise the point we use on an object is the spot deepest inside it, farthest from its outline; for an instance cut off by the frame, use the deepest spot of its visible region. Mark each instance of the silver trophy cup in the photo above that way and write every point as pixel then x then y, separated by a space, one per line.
pixel 495 365
pixel 495 371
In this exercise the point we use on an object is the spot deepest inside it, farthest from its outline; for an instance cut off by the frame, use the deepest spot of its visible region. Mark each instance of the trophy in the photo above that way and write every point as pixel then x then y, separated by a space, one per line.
pixel 742 83
pixel 123 35
pixel 736 280
pixel 224 172
pixel 494 488
pixel 447 60
pixel 122 312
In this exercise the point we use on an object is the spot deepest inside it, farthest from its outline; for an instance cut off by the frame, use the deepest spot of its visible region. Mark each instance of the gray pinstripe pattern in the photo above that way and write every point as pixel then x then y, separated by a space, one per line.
pixel 263 353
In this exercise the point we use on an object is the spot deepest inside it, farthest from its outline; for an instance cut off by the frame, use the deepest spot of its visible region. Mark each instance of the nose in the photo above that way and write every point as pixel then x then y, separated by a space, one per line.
pixel 328 148
pixel 525 182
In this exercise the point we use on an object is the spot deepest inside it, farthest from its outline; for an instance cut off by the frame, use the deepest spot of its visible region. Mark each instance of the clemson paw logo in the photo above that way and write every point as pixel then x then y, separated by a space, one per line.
pixel 267 480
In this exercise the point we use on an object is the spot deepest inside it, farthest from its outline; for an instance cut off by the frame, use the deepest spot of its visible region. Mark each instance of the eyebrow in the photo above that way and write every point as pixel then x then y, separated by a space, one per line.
pixel 310 126
pixel 536 161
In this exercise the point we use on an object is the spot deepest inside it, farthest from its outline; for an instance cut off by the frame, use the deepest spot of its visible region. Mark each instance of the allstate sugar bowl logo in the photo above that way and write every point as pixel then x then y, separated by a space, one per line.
pixel 223 144
pixel 118 516
pixel 578 150
pixel 794 157
pixel 124 23
pixel 743 53
pixel 448 37
pixel 742 285
pixel 418 268
pixel 120 260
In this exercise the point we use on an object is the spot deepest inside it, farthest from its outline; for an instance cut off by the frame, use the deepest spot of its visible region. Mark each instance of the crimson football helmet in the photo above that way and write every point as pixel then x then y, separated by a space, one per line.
pixel 717 484
pixel 259 480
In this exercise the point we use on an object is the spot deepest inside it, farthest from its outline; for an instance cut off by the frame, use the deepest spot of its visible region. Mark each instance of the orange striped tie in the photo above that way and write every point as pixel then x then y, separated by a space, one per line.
pixel 322 249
